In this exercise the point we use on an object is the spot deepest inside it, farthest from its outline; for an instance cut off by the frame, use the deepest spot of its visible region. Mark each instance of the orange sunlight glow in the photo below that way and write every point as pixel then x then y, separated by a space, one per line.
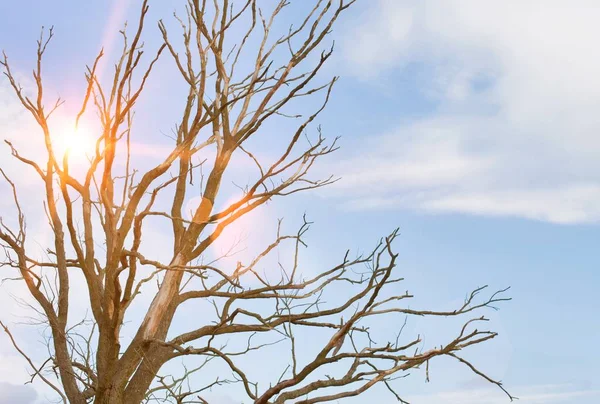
pixel 77 143
pixel 242 239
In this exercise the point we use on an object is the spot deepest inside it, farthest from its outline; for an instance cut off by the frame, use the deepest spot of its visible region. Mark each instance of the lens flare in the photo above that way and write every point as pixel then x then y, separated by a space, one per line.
pixel 76 142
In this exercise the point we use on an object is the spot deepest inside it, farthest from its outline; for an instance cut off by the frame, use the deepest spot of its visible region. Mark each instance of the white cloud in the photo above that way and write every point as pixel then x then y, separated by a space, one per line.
pixel 574 204
pixel 12 393
pixel 543 394
pixel 516 129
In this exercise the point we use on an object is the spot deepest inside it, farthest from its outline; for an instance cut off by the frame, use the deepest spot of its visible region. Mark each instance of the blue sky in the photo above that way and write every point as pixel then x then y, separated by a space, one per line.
pixel 471 125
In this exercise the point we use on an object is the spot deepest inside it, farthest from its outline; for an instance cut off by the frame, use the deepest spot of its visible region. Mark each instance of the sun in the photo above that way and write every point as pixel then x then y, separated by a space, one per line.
pixel 76 142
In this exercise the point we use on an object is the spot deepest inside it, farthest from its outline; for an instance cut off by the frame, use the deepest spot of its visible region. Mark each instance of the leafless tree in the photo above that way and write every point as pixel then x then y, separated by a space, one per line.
pixel 239 72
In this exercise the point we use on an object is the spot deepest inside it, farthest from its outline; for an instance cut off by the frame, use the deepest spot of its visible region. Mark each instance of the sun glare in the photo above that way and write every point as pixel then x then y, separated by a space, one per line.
pixel 77 142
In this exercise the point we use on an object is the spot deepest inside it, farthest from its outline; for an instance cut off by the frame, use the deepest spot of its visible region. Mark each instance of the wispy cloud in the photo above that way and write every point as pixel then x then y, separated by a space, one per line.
pixel 515 130
pixel 542 394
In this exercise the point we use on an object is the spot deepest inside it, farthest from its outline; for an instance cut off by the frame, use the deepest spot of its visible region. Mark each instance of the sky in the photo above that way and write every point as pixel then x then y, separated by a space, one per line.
pixel 470 125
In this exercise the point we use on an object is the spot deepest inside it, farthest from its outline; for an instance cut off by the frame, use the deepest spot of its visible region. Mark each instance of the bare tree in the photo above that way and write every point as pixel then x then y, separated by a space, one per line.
pixel 239 72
